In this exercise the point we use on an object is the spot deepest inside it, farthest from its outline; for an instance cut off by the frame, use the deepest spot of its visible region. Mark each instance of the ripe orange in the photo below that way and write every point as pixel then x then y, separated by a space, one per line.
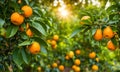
pixel 61 67
pixel 39 68
pixel 74 67
pixel 77 52
pixel 98 34
pixel 53 42
pixel 71 54
pixel 16 18
pixel 85 17
pixel 107 32
pixel 77 62
pixel 77 69
pixel 54 65
pixel 92 55
pixel 111 46
pixel 29 33
pixel 34 48
pixel 27 10
pixel 54 46
pixel 67 57
pixel 56 37
pixel 95 68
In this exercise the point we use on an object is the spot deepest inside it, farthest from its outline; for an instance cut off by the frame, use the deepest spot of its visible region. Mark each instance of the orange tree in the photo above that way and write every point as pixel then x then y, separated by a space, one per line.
pixel 23 29
pixel 99 32
pixel 93 46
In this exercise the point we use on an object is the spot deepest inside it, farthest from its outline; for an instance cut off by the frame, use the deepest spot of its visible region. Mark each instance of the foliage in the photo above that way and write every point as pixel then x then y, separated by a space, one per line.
pixel 73 33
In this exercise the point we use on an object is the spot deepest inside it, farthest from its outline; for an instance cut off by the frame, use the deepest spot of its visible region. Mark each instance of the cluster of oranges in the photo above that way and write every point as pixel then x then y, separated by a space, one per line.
pixel 92 55
pixel 99 35
pixel 107 33
pixel 18 19
pixel 76 62
pixel 54 65
pixel 60 67
pixel 53 42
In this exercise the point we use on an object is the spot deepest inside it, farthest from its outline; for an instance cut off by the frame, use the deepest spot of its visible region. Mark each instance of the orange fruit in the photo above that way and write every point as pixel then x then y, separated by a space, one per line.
pixel 54 65
pixel 111 46
pixel 56 37
pixel 71 54
pixel 16 18
pixel 74 67
pixel 61 67
pixel 67 57
pixel 98 34
pixel 54 46
pixel 27 26
pixel 27 10
pixel 97 59
pixel 85 17
pixel 39 68
pixel 77 52
pixel 34 48
pixel 22 29
pixel 107 32
pixel 92 55
pixel 77 62
pixel 95 68
pixel 53 42
pixel 29 33
pixel 77 69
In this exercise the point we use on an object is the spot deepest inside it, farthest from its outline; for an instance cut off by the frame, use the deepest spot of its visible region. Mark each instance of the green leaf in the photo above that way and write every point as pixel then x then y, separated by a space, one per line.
pixel 25 43
pixel 93 31
pixel 112 7
pixel 36 32
pixel 17 58
pixel 27 2
pixel 42 63
pixel 37 13
pixel 43 51
pixel 39 27
pixel 41 41
pixel 75 32
pixel 1 22
pixel 112 22
pixel 24 56
pixel 11 31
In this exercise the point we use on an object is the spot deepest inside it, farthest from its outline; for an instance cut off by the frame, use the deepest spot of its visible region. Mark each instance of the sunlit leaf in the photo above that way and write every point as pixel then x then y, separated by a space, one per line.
pixel 25 43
